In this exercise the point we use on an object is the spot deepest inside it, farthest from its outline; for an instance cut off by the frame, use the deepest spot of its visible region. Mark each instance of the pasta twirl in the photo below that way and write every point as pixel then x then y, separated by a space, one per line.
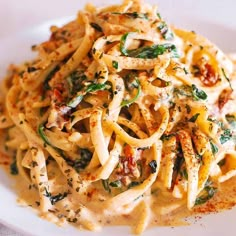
pixel 120 116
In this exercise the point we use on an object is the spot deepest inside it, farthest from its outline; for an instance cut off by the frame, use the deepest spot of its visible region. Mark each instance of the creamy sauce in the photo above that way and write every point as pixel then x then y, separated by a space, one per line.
pixel 28 196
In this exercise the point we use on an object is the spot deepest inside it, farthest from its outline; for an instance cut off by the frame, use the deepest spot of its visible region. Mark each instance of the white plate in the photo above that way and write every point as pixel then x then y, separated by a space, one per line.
pixel 17 48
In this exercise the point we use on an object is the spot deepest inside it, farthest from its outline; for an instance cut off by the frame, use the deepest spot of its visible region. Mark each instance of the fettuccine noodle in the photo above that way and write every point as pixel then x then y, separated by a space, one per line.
pixel 117 111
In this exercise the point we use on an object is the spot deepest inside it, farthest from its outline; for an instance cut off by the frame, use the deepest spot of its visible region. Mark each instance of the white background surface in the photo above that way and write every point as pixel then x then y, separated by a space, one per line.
pixel 18 16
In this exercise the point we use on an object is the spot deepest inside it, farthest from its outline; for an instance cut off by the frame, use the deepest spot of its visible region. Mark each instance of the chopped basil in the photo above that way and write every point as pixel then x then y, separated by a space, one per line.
pixel 115 64
pixel 13 168
pixel 133 15
pixel 115 184
pixel 226 136
pixel 231 120
pixel 153 166
pixel 132 100
pixel 208 192
pixel 227 78
pixel 96 27
pixel 214 148
pixel 194 117
pixel 198 94
pixel 105 184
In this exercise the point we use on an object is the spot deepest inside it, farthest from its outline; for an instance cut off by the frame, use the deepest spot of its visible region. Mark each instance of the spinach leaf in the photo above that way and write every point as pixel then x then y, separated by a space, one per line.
pixel 226 136
pixel 147 52
pixel 132 100
pixel 133 184
pixel 43 135
pixel 227 78
pixel 85 158
pixel 214 148
pixel 150 52
pixel 115 64
pixel 105 184
pixel 198 94
pixel 208 192
pixel 75 101
pixel 133 15
pixel 115 184
pixel 194 117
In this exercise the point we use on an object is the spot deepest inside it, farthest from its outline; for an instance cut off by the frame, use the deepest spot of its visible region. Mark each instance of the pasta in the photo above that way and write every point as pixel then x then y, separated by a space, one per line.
pixel 120 118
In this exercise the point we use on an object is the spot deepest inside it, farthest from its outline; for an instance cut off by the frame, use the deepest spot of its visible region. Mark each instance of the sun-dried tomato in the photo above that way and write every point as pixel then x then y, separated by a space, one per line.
pixel 224 98
pixel 207 74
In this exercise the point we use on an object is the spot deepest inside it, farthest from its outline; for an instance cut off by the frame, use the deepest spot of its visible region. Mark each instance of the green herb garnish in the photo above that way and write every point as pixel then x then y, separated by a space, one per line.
pixel 115 64
pixel 123 44
pixel 105 184
pixel 198 94
pixel 133 15
pixel 150 52
pixel 165 31
pixel 43 135
pixel 46 85
pixel 208 192
pixel 153 166
pixel 89 89
pixel 194 117
pixel 115 184
pixel 167 136
pixel 56 198
pixel 96 27
pixel 147 52
pixel 227 78
pixel 133 184
pixel 13 168
pixel 214 148
pixel 132 100
pixel 226 136
pixel 83 161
